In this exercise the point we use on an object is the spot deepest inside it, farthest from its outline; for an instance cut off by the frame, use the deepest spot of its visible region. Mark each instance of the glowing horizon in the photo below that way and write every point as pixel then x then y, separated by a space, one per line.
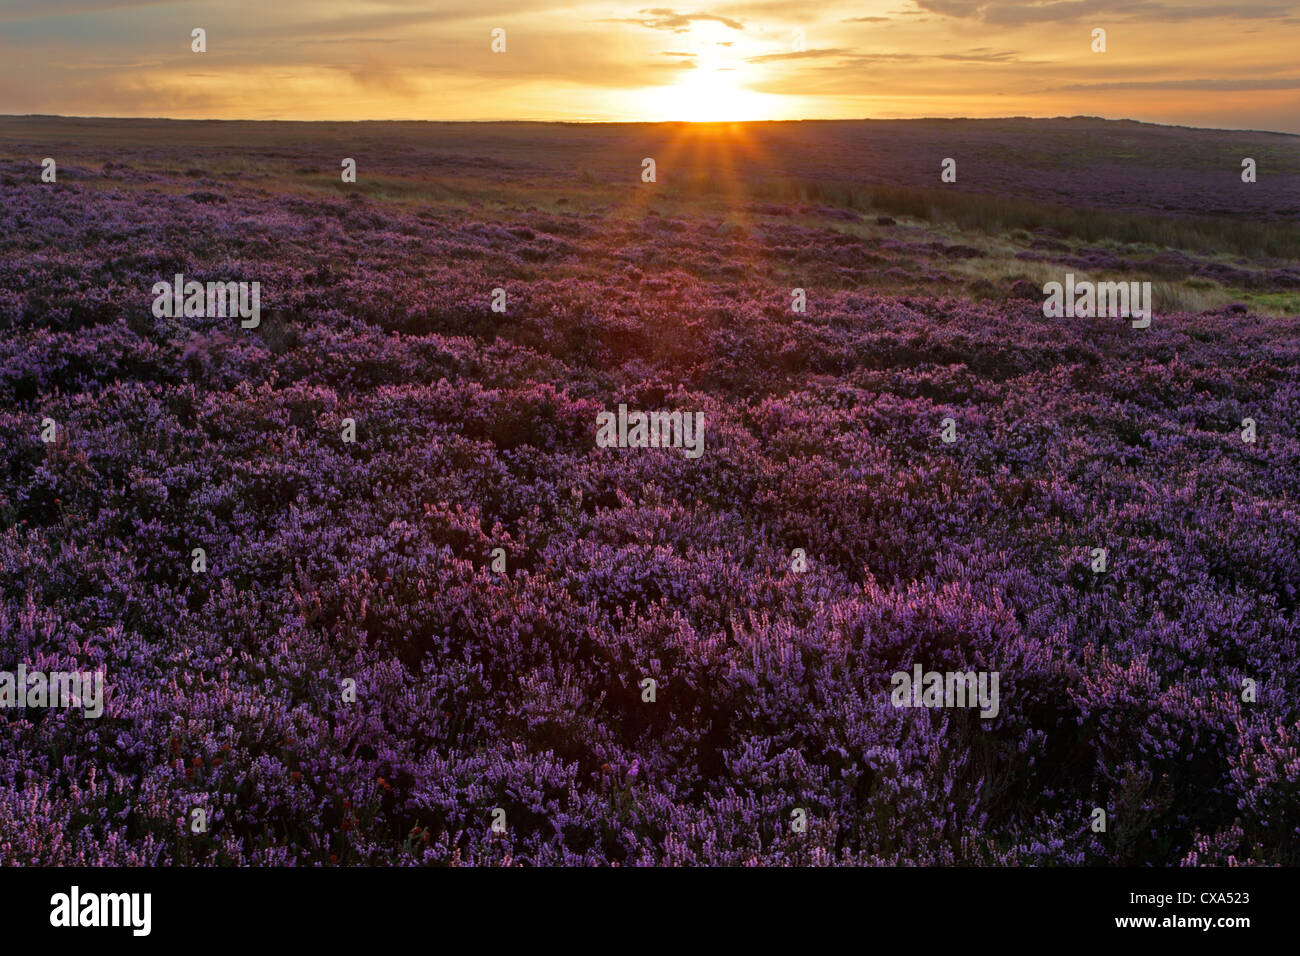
pixel 1203 64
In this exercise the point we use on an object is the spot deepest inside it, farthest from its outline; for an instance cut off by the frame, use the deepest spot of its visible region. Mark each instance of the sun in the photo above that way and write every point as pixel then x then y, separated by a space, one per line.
pixel 708 96
pixel 717 76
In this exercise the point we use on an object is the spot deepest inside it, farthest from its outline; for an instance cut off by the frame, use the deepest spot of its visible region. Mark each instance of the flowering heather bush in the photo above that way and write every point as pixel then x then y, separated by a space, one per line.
pixel 372 561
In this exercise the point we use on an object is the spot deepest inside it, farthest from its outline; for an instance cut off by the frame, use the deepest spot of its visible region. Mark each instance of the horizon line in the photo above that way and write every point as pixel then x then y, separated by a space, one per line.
pixel 562 122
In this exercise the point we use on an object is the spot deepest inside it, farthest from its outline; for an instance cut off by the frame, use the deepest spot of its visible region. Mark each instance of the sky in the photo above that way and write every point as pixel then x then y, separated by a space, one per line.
pixel 1209 63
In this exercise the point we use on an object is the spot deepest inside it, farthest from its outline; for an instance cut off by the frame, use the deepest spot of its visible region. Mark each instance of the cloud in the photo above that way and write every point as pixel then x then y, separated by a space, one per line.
pixel 783 10
pixel 659 18
pixel 357 40
pixel 382 76
pixel 978 55
pixel 16 10
pixel 798 55
pixel 350 27
pixel 1281 83
pixel 1021 12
